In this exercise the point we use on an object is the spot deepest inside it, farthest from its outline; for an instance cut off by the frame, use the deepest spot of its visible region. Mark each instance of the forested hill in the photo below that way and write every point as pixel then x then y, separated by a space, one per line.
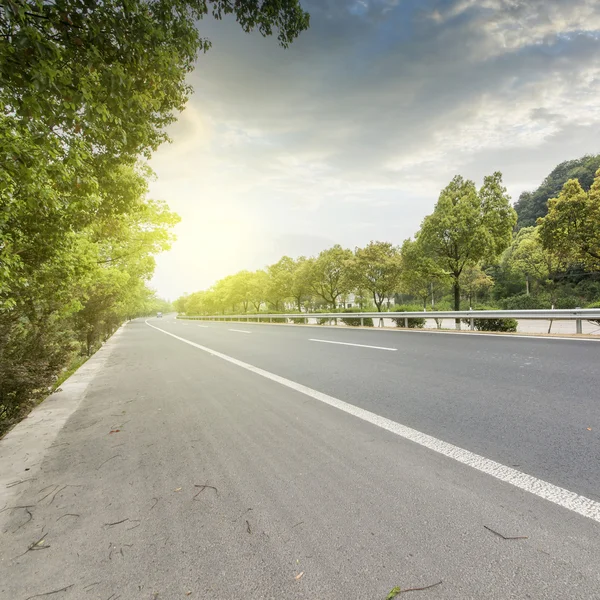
pixel 532 205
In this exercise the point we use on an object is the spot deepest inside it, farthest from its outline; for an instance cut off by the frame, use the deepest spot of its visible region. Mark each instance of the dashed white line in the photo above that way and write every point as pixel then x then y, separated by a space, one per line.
pixel 204 326
pixel 570 500
pixel 240 330
pixel 350 344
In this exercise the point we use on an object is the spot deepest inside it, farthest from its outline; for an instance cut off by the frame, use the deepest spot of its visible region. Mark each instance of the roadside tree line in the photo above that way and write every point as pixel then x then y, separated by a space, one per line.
pixel 87 90
pixel 467 252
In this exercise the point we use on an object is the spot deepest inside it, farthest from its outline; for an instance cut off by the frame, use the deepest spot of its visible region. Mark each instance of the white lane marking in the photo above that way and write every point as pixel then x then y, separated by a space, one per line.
pixel 205 326
pixel 350 344
pixel 240 330
pixel 543 489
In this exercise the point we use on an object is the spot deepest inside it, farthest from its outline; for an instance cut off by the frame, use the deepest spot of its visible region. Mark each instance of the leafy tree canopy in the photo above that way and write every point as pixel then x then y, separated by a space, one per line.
pixel 377 268
pixel 468 226
pixel 532 205
pixel 571 229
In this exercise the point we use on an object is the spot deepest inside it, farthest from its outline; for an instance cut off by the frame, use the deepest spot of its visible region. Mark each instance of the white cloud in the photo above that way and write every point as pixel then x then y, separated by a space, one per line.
pixel 350 133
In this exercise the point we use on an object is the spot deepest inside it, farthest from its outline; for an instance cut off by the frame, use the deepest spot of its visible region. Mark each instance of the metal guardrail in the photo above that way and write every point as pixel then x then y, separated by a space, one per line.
pixel 576 314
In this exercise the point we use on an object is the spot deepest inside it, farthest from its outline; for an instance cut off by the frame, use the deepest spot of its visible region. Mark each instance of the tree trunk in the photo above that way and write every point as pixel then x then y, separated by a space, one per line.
pixel 456 286
pixel 298 300
pixel 377 303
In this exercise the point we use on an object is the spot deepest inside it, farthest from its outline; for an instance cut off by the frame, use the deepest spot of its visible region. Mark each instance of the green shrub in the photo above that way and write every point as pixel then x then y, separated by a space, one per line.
pixel 323 320
pixel 503 325
pixel 567 302
pixel 413 323
pixel 525 302
pixel 506 325
pixel 594 305
pixel 298 321
pixel 355 321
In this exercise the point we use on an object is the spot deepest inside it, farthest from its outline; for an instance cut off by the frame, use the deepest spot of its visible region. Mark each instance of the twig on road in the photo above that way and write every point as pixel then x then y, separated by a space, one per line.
pixel 36 546
pixel 19 482
pixel 398 590
pixel 115 523
pixel 57 492
pixel 245 512
pixel 23 524
pixel 50 593
pixel 248 526
pixel 15 507
pixel 90 585
pixel 103 463
pixel 50 492
pixel 203 487
pixel 155 503
pixel 504 537
pixel 296 525
pixel 68 515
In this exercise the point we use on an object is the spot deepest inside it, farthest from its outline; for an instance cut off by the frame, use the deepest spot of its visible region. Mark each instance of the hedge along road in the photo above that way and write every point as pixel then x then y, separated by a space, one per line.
pixel 527 403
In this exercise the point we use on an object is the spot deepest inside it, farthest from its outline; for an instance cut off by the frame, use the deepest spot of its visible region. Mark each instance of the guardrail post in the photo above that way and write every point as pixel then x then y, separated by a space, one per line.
pixel 306 320
pixel 578 325
pixel 472 324
pixel 405 322
pixel 362 321
pixel 270 319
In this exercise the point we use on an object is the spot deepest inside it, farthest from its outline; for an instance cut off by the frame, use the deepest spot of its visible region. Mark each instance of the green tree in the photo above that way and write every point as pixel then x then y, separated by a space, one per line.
pixel 331 277
pixel 258 288
pixel 279 286
pixel 534 263
pixel 419 272
pixel 302 281
pixel 571 229
pixel 532 205
pixel 467 226
pixel 474 282
pixel 376 268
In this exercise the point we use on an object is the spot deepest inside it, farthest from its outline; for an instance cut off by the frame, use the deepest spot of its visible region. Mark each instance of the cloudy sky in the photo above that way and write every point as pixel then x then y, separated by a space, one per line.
pixel 349 135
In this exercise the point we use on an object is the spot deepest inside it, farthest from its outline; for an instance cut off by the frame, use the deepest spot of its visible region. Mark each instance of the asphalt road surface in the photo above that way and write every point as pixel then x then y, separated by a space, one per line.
pixel 223 461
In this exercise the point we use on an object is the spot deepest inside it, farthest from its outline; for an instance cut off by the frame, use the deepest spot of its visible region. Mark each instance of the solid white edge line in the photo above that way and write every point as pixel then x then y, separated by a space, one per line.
pixel 562 497
pixel 350 344
pixel 239 331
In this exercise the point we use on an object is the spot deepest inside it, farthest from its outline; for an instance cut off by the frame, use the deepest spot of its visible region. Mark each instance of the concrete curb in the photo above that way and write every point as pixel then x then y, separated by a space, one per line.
pixel 23 448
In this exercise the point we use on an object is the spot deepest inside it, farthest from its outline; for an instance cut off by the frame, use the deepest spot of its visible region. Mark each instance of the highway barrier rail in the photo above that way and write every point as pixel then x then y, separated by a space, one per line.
pixel 578 315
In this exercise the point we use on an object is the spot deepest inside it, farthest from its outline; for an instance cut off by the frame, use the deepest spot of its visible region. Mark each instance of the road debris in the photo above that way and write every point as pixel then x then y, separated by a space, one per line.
pixel 50 593
pixel 396 591
pixel 108 459
pixel 504 537
pixel 203 487
pixel 115 523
